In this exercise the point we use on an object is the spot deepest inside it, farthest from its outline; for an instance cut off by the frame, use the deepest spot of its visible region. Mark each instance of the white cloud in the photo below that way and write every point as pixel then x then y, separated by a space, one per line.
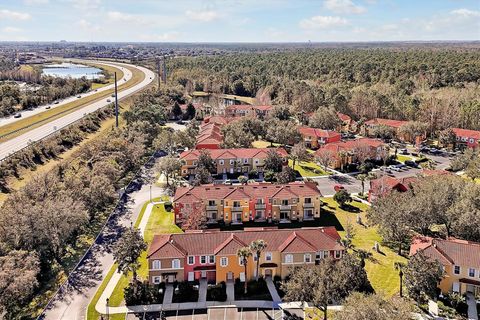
pixel 117 16
pixel 11 30
pixel 343 7
pixel 14 15
pixel 203 16
pixel 466 13
pixel 86 4
pixel 35 2
pixel 88 26
pixel 167 36
pixel 323 22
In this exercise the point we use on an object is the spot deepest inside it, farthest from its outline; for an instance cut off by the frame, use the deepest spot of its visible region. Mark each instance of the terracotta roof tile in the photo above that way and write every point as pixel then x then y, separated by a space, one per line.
pixel 466 133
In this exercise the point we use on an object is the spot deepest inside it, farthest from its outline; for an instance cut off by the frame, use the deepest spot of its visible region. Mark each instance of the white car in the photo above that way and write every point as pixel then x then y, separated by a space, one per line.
pixel 394 168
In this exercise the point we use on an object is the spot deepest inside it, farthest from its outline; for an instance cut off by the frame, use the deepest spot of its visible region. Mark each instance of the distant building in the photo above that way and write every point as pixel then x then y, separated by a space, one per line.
pixel 346 122
pixel 467 138
pixel 245 110
pixel 370 125
pixel 314 138
pixel 242 160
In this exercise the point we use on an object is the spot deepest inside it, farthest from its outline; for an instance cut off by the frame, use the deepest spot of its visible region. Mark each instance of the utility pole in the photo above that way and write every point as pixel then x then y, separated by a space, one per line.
pixel 160 76
pixel 164 70
pixel 116 102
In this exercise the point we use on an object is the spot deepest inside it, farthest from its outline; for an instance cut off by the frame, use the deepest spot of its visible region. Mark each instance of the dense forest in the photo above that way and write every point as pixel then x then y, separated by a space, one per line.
pixel 439 86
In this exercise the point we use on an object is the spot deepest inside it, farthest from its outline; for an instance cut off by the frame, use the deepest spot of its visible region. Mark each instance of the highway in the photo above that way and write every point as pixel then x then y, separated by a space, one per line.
pixel 17 143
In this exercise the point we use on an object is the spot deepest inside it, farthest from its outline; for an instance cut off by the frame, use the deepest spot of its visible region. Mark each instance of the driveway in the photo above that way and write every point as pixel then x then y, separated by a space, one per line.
pixel 167 298
pixel 472 307
pixel 202 291
pixel 273 290
pixel 230 290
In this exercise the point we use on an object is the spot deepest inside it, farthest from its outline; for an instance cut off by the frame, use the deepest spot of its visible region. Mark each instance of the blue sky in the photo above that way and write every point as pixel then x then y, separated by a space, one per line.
pixel 239 20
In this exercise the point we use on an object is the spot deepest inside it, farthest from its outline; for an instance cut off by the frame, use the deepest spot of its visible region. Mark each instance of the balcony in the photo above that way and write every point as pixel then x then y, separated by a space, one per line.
pixel 237 209
pixel 260 206
pixel 285 207
pixel 211 208
pixel 308 205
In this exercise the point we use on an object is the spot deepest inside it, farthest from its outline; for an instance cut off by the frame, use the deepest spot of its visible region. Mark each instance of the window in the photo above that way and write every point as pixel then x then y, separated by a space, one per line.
pixel 157 280
pixel 471 140
pixel 191 260
pixel 308 200
pixel 268 256
pixel 232 162
pixel 203 259
pixel 259 200
pixel 175 264
pixel 256 161
pixel 471 272
pixel 194 163
pixel 245 160
pixel 240 261
pixel 223 261
pixel 236 204
pixel 285 202
pixel 456 269
pixel 156 265
pixel 338 254
pixel 288 258
pixel 211 202
pixel 221 162
pixel 211 259
pixel 307 258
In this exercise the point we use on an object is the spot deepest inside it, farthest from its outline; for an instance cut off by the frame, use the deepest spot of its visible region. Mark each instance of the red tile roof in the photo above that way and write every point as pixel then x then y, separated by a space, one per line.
pixel 350 145
pixel 227 242
pixel 319 133
pixel 344 117
pixel 263 108
pixel 240 153
pixel 450 251
pixel 467 133
pixel 386 122
pixel 254 191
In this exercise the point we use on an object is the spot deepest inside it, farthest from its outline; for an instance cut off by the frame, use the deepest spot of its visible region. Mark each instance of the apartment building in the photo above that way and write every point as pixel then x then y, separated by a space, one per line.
pixel 314 138
pixel 370 125
pixel 346 122
pixel 212 255
pixel 460 260
pixel 242 160
pixel 296 201
pixel 467 138
pixel 346 152
pixel 245 110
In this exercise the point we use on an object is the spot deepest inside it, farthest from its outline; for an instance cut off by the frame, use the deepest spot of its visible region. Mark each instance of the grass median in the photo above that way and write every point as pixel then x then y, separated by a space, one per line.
pixel 27 124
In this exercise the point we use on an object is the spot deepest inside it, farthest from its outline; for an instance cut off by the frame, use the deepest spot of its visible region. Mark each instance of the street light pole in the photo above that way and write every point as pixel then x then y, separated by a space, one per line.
pixel 108 316
pixel 116 102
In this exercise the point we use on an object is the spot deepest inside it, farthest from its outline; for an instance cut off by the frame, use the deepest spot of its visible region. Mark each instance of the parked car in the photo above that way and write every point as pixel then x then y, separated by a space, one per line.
pixel 18 115
pixel 338 187
pixel 411 163
pixel 403 151
pixel 47 107
pixel 180 122
pixel 394 168
pixel 108 100
pixel 113 95
pixel 79 96
pixel 228 181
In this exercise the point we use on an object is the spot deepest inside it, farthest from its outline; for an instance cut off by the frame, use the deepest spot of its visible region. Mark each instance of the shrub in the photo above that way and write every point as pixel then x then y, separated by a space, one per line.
pixel 217 292
pixel 145 293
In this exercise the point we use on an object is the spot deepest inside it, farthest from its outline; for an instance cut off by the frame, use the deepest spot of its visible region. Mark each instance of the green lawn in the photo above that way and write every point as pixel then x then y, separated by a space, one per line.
pixel 403 158
pixel 381 272
pixel 308 169
pixel 160 221
pixel 263 144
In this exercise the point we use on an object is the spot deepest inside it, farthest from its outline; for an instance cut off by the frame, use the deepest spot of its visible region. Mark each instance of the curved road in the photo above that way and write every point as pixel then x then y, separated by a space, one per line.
pixel 15 144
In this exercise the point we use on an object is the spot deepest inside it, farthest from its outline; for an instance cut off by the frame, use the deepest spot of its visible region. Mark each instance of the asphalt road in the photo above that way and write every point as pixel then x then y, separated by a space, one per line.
pixel 15 144
pixel 72 303
pixel 127 75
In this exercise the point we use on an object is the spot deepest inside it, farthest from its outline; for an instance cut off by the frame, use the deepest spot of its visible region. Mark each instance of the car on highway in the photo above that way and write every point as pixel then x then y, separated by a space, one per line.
pixel 56 102
pixel 108 100
pixel 113 95
pixel 79 96
pixel 180 122
pixel 47 107
pixel 394 168
pixel 18 115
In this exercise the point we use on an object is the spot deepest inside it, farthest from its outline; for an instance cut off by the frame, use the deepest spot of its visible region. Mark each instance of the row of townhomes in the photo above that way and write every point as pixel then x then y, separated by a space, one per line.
pixel 212 255
pixel 460 260
pixel 246 110
pixel 296 201
pixel 242 160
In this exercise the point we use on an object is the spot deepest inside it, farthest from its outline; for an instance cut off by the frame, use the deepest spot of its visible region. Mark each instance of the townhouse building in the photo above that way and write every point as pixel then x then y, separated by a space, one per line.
pixel 346 122
pixel 346 152
pixel 314 138
pixel 260 202
pixel 212 255
pixel 369 126
pixel 460 260
pixel 467 138
pixel 242 160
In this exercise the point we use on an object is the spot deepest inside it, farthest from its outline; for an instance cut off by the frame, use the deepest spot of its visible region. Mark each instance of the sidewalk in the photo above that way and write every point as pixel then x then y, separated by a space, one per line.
pixel 167 298
pixel 202 291
pixel 472 307
pixel 273 291
pixel 107 292
pixel 230 291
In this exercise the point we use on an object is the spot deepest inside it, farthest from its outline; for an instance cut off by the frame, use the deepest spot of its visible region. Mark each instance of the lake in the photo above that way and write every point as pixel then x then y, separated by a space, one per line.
pixel 72 70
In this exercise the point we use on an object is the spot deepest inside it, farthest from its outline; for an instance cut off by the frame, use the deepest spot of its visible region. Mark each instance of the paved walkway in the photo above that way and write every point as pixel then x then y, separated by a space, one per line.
pixel 230 291
pixel 273 290
pixel 202 291
pixel 167 298
pixel 472 307
pixel 107 292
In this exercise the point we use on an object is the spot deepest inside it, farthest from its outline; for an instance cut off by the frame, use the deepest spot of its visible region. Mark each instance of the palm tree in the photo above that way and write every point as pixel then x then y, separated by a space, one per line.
pixel 243 254
pixel 363 255
pixel 400 266
pixel 256 247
